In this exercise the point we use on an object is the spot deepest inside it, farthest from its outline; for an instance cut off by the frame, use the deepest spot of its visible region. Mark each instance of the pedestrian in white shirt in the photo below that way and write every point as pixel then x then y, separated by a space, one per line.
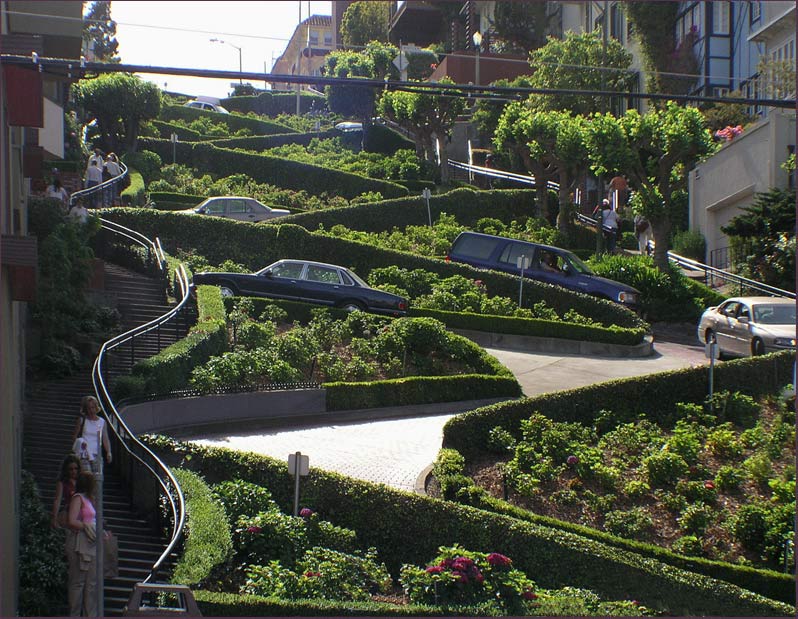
pixel 610 222
pixel 57 191
pixel 112 170
pixel 94 176
pixel 79 212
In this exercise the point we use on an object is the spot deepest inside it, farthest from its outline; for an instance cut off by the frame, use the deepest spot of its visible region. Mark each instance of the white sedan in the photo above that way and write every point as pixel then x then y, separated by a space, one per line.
pixel 744 326
pixel 238 208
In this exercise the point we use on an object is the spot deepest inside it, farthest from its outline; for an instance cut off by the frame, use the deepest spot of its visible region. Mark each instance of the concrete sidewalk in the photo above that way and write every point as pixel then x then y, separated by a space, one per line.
pixel 396 451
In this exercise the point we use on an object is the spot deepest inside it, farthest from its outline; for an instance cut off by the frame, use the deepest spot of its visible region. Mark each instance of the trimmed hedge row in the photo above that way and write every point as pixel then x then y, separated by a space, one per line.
pixel 466 205
pixel 449 471
pixel 134 194
pixel 184 134
pixel 264 142
pixel 221 162
pixel 408 528
pixel 534 327
pixel 170 369
pixel 207 540
pixel 419 390
pixel 256 246
pixel 654 396
pixel 275 103
pixel 233 121
pixel 213 604
pixel 172 197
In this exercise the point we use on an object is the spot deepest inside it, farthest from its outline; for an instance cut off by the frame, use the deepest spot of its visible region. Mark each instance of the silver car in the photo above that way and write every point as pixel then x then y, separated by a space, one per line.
pixel 744 326
pixel 238 208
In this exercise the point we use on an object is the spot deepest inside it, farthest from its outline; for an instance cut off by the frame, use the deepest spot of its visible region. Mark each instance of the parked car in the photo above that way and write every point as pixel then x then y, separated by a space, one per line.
pixel 310 282
pixel 545 264
pixel 349 126
pixel 744 326
pixel 238 208
pixel 208 106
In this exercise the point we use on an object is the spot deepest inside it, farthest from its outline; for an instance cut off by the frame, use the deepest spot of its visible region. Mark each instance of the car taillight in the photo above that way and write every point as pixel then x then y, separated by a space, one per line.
pixel 402 305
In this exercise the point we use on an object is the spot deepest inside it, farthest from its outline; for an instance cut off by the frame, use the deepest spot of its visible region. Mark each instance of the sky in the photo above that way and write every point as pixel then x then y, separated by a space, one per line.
pixel 177 34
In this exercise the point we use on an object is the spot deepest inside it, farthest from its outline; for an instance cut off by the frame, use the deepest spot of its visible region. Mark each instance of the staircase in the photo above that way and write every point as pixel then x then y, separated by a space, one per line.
pixel 52 410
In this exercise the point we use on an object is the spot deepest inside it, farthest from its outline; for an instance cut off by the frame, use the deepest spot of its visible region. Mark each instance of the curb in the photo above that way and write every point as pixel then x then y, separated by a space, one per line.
pixel 421 481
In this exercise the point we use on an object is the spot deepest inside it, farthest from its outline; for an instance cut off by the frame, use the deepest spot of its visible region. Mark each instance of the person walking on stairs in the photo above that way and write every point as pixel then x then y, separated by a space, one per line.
pixel 81 549
pixel 64 489
pixel 90 427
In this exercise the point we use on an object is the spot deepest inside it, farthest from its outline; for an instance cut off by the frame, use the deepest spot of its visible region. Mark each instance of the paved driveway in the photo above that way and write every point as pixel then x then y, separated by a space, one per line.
pixel 396 451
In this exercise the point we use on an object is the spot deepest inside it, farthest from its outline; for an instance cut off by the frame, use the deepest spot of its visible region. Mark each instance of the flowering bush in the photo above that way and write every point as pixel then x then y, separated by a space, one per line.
pixel 321 573
pixel 462 577
pixel 728 133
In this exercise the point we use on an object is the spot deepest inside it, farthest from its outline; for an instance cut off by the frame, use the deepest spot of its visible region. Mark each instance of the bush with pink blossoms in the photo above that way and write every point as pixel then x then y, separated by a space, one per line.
pixel 458 577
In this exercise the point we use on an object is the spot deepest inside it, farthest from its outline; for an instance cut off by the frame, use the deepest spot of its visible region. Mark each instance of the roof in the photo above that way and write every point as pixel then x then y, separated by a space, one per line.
pixel 318 20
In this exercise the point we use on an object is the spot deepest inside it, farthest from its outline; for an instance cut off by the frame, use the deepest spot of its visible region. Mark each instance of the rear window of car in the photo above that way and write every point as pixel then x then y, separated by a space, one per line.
pixel 321 274
pixel 288 269
pixel 514 251
pixel 474 246
pixel 238 206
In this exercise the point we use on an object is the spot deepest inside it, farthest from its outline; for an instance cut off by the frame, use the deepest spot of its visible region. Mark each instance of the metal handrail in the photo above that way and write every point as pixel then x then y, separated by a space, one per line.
pixel 726 276
pixel 101 188
pixel 527 179
pixel 140 453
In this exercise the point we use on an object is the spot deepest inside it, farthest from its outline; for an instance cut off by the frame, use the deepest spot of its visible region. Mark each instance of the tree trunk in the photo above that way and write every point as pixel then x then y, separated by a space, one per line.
pixel 661 229
pixel 564 217
pixel 444 164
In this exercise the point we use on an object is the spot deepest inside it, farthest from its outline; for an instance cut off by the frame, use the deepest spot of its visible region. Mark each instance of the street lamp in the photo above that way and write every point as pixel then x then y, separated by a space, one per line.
pixel 477 38
pixel 240 67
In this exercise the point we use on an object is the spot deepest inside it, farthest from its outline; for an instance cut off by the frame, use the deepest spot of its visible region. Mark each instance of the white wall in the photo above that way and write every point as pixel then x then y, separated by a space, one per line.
pixel 51 136
pixel 724 184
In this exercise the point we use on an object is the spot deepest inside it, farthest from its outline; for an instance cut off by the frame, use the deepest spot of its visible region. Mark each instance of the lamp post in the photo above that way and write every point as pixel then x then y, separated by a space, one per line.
pixel 240 64
pixel 477 38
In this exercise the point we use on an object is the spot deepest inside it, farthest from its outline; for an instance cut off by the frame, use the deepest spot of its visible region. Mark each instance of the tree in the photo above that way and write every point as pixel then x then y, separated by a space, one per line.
pixel 764 237
pixel 520 26
pixel 574 63
pixel 99 30
pixel 426 115
pixel 487 112
pixel 119 102
pixel 365 21
pixel 374 62
pixel 655 151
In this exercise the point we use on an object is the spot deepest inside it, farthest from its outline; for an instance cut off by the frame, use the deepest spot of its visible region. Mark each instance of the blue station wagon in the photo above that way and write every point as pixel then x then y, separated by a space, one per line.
pixel 548 264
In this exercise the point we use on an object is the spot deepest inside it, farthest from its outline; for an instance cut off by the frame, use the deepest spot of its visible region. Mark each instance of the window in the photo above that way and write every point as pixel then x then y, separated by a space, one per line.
pixel 325 275
pixel 215 208
pixel 755 11
pixel 474 247
pixel 720 92
pixel 328 39
pixel 237 207
pixel 720 17
pixel 313 37
pixel 514 251
pixel 289 270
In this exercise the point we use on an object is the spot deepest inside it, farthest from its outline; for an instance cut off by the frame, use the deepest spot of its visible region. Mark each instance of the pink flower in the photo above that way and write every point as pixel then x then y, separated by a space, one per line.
pixel 254 529
pixel 572 460
pixel 499 560
pixel 479 578
pixel 709 484
pixel 312 574
pixel 434 569
pixel 306 512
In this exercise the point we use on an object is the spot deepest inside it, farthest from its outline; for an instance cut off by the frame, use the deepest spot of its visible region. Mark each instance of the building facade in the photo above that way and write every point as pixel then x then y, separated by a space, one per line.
pixel 305 53
pixel 31 131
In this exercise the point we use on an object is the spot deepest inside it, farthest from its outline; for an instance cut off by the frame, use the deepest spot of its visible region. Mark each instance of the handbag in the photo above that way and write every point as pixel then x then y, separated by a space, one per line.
pixel 110 555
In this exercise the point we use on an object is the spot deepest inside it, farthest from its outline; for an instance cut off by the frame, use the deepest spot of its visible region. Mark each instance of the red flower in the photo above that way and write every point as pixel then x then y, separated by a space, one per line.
pixel 434 569
pixel 572 460
pixel 306 512
pixel 499 560
pixel 530 595
pixel 254 529
pixel 709 484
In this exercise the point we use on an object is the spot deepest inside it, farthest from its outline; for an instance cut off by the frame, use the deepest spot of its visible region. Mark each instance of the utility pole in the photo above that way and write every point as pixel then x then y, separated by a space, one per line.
pixel 298 58
pixel 600 179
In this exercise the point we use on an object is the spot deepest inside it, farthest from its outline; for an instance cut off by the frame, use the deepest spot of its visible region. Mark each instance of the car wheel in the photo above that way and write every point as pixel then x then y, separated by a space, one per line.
pixel 352 306
pixel 757 347
pixel 227 291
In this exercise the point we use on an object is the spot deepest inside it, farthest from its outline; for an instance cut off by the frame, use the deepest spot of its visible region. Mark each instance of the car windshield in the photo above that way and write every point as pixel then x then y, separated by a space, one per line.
pixel 575 263
pixel 222 110
pixel 774 314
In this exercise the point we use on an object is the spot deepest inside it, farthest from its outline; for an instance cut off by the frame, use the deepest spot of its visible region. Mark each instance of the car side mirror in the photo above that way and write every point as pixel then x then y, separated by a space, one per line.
pixel 744 320
pixel 201 211
pixel 566 269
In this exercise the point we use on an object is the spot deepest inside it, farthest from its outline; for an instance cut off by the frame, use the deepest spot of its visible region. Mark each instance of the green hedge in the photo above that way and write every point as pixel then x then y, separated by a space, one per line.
pixel 233 121
pixel 466 205
pixel 170 369
pixel 419 390
pixel 256 246
pixel 534 327
pixel 449 471
pixel 207 541
pixel 213 604
pixel 654 396
pixel 264 142
pixel 382 139
pixel 172 197
pixel 134 194
pixel 209 159
pixel 272 103
pixel 184 134
pixel 408 528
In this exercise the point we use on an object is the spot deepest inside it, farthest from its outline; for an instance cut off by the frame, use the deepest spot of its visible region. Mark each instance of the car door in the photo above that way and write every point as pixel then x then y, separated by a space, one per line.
pixel 739 331
pixel 217 208
pixel 282 281
pixel 511 253
pixel 726 325
pixel 238 209
pixel 322 284
pixel 548 267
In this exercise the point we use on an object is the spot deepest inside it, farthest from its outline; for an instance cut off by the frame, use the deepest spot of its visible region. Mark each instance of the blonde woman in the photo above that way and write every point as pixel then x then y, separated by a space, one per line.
pixel 90 426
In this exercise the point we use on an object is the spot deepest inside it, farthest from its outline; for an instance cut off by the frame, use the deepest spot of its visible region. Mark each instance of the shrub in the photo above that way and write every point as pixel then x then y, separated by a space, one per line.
pixel 688 545
pixel 690 244
pixel 750 526
pixel 758 468
pixel 635 523
pixel 722 442
pixel 728 479
pixel 739 408
pixel 696 518
pixel 664 468
pixel 146 162
pixel 242 498
pixel 207 542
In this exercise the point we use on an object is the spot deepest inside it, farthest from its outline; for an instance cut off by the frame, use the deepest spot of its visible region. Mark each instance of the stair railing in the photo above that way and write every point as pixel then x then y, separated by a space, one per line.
pixel 104 189
pixel 152 483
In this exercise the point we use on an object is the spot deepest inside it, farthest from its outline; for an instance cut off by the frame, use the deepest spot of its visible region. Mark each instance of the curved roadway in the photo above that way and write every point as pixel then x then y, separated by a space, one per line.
pixel 396 451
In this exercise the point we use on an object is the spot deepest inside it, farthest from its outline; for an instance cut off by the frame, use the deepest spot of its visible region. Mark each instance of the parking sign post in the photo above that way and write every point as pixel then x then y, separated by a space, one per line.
pixel 298 466
pixel 426 194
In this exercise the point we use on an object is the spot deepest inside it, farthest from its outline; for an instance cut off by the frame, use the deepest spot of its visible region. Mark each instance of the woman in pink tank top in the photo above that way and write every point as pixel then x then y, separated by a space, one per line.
pixel 82 585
